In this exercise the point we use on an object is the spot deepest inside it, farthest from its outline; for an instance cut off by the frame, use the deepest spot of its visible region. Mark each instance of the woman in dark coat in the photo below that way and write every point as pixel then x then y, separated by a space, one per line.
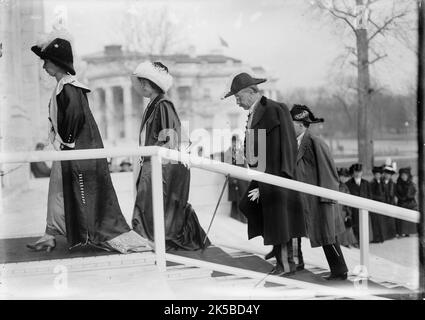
pixel 82 203
pixel 390 231
pixel 315 165
pixel 361 188
pixel 405 192
pixel 377 194
pixel 347 238
pixel 161 127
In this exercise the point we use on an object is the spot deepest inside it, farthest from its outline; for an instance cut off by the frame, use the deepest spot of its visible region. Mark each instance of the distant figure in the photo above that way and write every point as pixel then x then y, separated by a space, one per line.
pixel 237 187
pixel 125 166
pixel 405 192
pixel 40 169
pixel 361 188
pixel 347 238
pixel 377 194
pixel 390 231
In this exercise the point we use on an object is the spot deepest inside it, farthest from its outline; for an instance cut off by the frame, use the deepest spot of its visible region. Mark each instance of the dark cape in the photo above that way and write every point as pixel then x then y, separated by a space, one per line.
pixel 92 212
pixel 405 191
pixel 381 230
pixel 277 217
pixel 347 238
pixel 316 166
pixel 182 228
pixel 236 188
pixel 361 191
pixel 389 197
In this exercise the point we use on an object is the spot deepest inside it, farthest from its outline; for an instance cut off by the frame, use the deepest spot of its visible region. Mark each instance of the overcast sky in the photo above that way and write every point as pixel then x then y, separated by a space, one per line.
pixel 285 37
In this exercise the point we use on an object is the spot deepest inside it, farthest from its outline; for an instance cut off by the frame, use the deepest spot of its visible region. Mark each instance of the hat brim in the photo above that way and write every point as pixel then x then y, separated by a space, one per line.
pixel 67 67
pixel 255 82
pixel 392 171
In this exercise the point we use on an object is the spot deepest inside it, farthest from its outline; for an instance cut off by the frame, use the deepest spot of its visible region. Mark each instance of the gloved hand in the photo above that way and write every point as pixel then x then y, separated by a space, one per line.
pixel 254 194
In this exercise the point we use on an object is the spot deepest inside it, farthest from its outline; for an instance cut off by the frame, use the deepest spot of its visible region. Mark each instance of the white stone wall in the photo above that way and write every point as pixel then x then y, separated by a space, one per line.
pixel 20 24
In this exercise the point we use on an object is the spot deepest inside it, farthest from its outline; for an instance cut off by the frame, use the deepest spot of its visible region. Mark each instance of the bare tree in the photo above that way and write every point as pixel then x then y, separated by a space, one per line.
pixel 371 23
pixel 153 31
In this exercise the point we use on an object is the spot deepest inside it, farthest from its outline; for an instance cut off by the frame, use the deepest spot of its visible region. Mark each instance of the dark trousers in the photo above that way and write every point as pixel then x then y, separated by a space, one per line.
pixel 335 258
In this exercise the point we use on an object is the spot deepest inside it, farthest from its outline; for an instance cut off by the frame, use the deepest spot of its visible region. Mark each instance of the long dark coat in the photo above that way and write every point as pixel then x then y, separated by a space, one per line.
pixel 92 212
pixel 361 191
pixel 182 228
pixel 277 217
pixel 378 220
pixel 347 238
pixel 390 230
pixel 405 192
pixel 316 166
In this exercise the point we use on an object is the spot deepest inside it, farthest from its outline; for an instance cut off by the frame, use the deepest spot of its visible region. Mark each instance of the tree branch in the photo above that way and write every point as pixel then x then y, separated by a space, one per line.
pixel 381 29
pixel 379 57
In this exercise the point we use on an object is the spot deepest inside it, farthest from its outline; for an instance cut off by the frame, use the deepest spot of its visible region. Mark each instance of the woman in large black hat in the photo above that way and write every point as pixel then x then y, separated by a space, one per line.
pixel 405 192
pixel 315 165
pixel 161 127
pixel 82 203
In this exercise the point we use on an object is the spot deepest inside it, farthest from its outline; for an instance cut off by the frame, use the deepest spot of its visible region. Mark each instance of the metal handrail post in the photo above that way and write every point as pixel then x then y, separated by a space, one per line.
pixel 364 241
pixel 158 212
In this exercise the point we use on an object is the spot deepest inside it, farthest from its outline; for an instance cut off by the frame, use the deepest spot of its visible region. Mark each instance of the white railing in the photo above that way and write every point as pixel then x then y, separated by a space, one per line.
pixel 159 155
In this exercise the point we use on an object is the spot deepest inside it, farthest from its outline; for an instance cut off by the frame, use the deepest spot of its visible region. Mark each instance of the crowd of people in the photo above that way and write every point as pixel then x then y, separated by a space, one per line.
pixel 380 188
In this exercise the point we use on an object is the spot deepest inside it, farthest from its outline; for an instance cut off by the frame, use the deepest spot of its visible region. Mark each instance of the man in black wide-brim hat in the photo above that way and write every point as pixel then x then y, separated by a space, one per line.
pixel 271 211
pixel 315 165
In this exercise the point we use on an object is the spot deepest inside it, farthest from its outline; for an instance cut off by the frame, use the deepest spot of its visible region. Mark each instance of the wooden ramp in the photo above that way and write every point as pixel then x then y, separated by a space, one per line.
pixel 184 279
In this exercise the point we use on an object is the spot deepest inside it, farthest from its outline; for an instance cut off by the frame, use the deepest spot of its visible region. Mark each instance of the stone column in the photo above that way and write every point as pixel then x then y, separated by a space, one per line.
pixel 110 127
pixel 128 112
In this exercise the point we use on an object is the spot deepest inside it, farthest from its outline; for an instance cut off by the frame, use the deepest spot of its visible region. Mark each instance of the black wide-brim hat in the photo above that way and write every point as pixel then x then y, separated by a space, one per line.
pixel 303 113
pixel 241 81
pixel 379 169
pixel 59 51
pixel 406 170
pixel 344 172
pixel 356 167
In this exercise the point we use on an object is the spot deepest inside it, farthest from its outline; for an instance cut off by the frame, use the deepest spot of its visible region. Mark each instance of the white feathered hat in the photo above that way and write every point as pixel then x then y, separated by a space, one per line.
pixel 390 166
pixel 156 74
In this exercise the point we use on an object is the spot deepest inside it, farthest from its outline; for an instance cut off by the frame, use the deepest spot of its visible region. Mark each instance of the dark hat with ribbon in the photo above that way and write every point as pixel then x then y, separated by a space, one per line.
pixel 378 169
pixel 303 113
pixel 406 170
pixel 344 172
pixel 356 167
pixel 242 81
pixel 59 51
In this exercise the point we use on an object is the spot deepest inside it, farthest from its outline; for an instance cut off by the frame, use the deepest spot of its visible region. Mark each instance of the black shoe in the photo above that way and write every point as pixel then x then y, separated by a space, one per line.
pixel 300 267
pixel 279 271
pixel 270 255
pixel 336 277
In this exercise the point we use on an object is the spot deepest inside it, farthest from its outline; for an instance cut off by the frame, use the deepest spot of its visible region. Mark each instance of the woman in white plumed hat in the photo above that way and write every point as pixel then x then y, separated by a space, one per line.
pixel 161 127
pixel 82 204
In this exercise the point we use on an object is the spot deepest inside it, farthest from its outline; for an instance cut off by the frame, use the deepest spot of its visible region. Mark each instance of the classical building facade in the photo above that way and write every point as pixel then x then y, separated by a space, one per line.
pixel 200 82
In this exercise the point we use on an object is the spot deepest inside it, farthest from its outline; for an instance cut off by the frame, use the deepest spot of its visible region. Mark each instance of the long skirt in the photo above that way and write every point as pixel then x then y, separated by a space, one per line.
pixel 404 227
pixel 182 228
pixel 56 225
